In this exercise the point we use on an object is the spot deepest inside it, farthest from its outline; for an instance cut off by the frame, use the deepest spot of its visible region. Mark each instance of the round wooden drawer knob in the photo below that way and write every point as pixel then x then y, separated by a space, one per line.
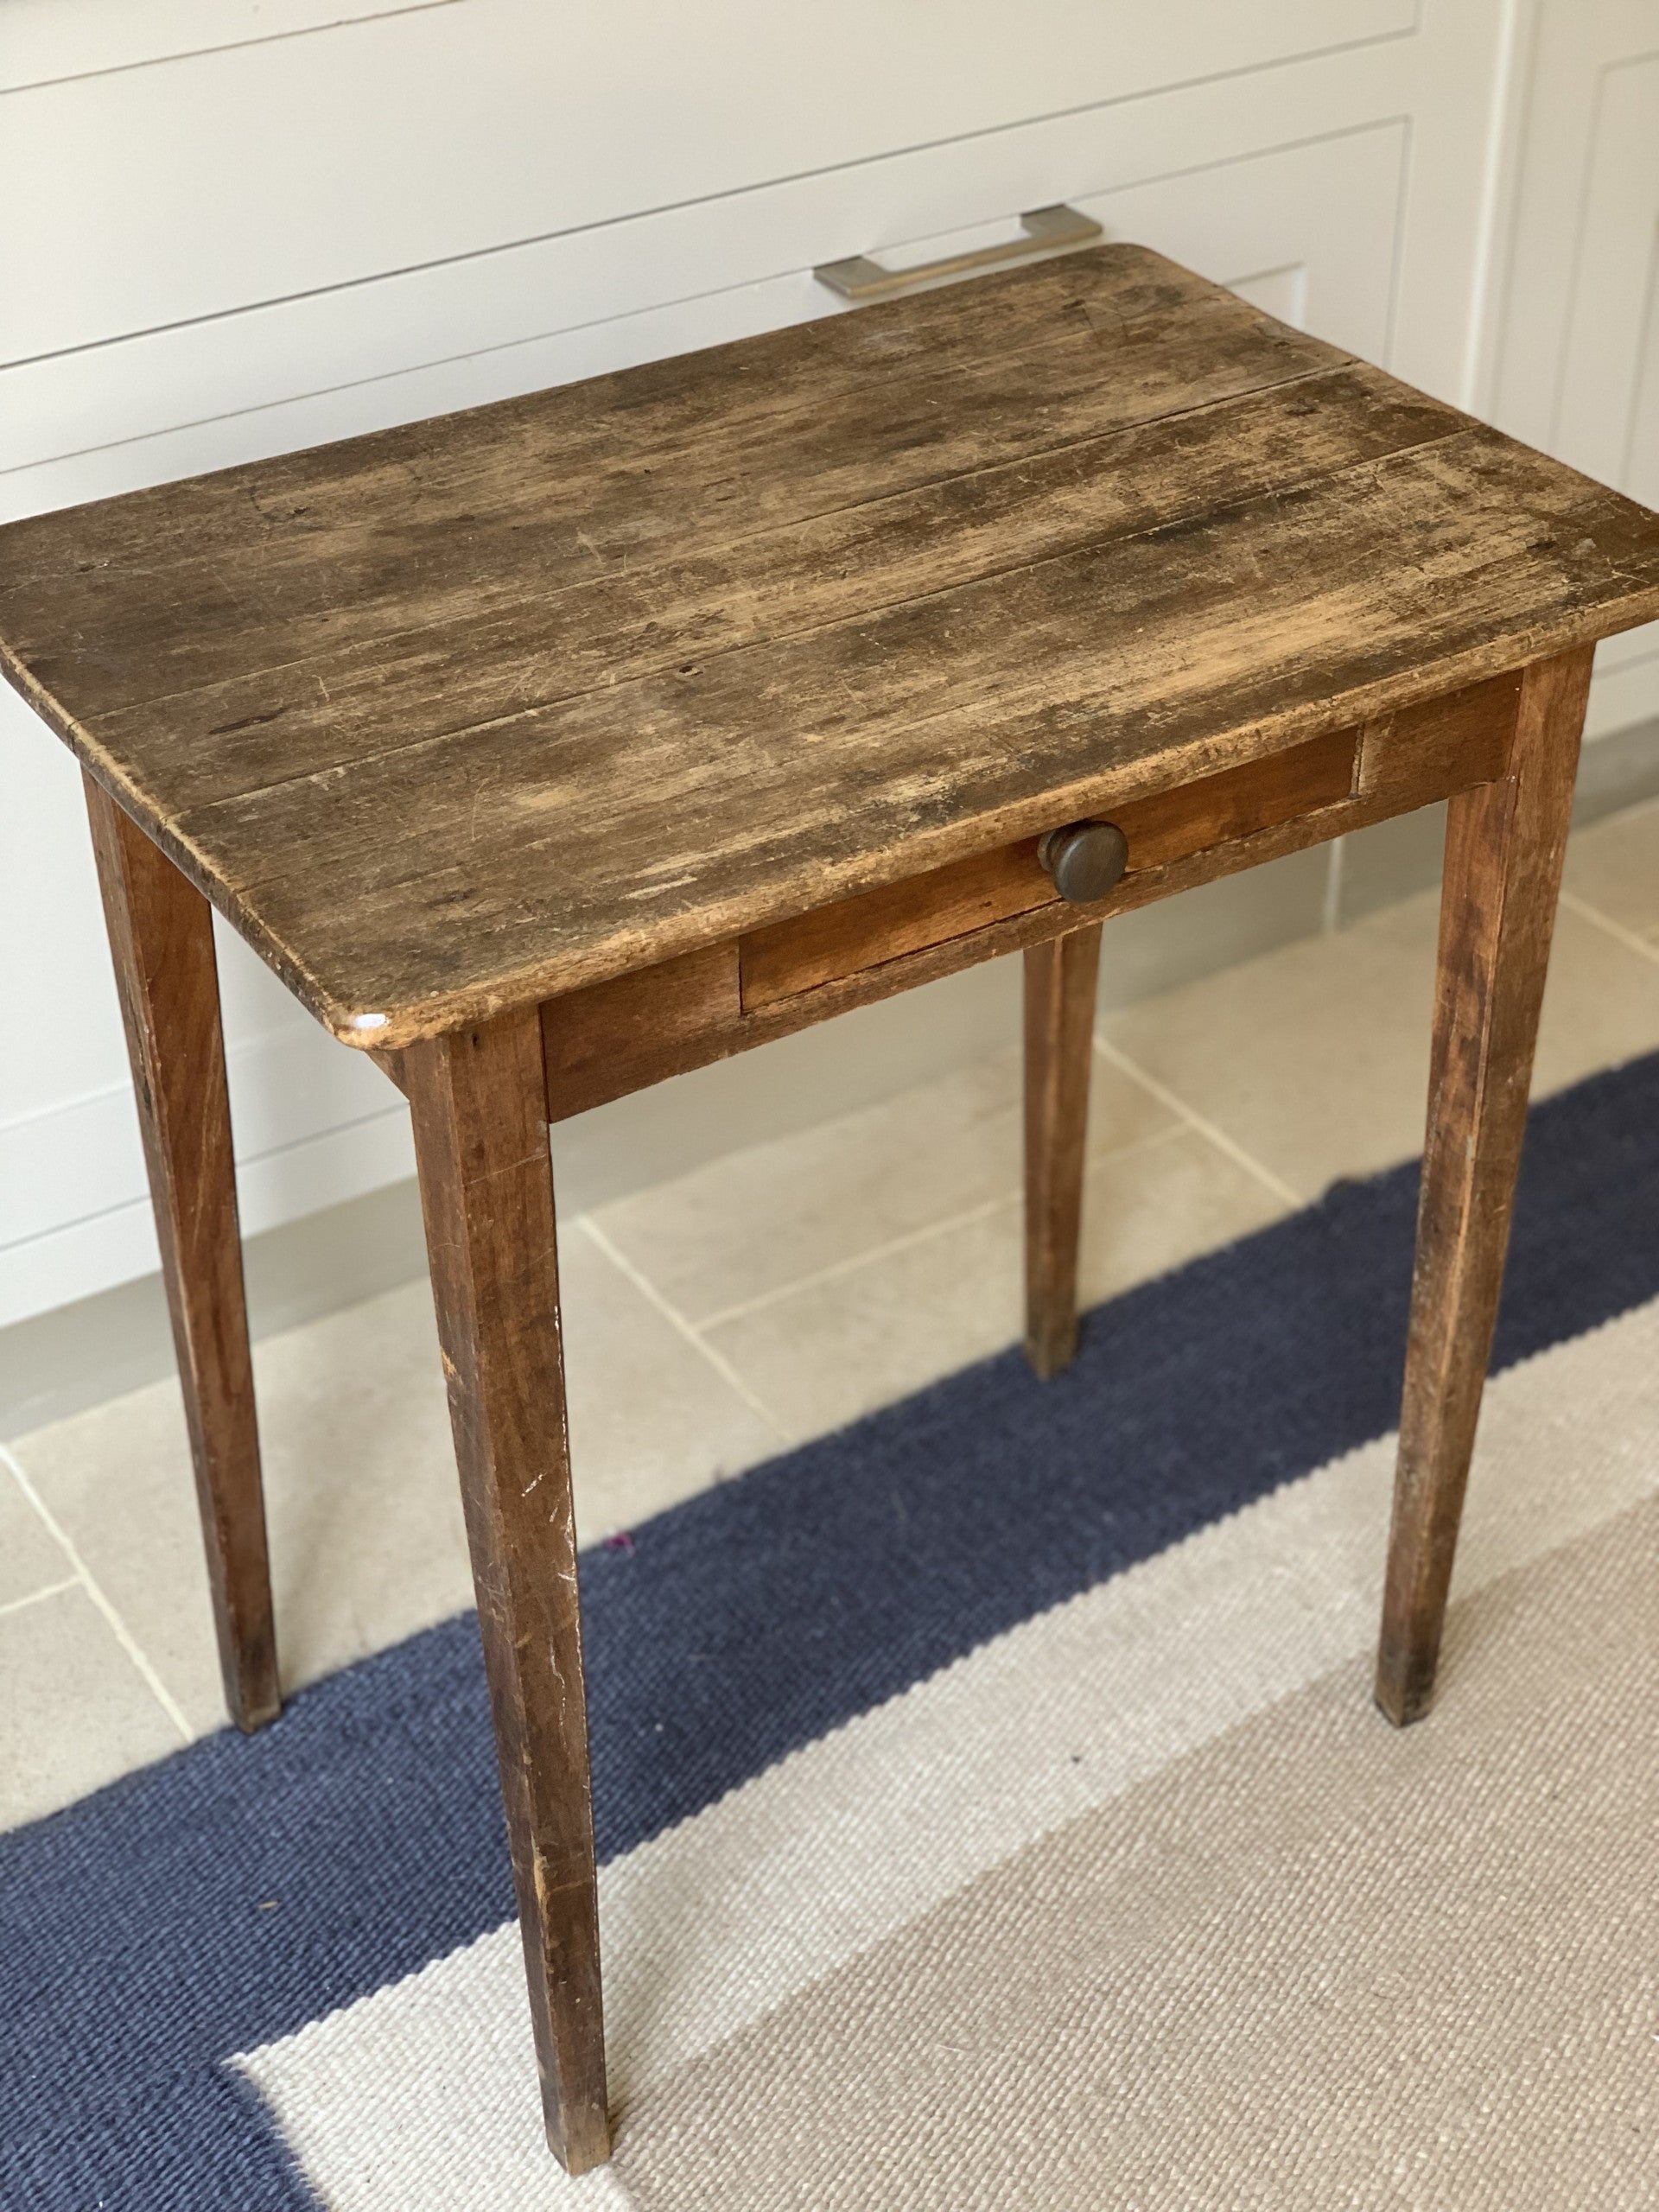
pixel 1085 858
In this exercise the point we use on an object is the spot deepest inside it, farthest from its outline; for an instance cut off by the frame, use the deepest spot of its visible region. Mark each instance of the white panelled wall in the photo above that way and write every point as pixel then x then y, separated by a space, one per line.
pixel 1577 367
pixel 233 227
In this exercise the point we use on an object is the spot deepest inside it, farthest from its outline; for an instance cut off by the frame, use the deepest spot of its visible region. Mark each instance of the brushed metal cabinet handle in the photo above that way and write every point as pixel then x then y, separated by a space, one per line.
pixel 1048 230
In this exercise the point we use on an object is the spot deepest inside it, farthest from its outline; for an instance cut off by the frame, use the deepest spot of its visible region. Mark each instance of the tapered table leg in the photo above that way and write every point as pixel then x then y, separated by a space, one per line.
pixel 478 1102
pixel 1505 845
pixel 1060 1043
pixel 161 936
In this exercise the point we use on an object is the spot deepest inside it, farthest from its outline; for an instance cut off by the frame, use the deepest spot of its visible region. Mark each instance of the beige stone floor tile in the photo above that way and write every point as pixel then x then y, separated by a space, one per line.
pixel 30 1559
pixel 365 1534
pixel 1601 1005
pixel 1614 866
pixel 823 1354
pixel 758 1221
pixel 1155 1209
pixel 1315 1058
pixel 652 1420
pixel 76 1712
pixel 368 1542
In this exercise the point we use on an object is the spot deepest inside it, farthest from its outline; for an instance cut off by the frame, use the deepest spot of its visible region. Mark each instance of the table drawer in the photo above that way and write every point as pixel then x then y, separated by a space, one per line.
pixel 856 934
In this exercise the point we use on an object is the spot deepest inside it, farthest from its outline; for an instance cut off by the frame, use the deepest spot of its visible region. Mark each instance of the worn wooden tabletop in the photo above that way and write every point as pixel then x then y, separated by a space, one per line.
pixel 466 714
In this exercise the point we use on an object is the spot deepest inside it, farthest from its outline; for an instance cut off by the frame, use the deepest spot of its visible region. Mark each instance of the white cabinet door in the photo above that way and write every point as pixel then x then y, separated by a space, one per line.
pixel 256 171
pixel 1579 370
pixel 337 358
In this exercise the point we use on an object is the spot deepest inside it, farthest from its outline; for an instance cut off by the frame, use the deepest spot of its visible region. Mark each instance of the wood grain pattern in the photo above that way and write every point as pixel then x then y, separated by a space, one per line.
pixel 858 933
pixel 985 887
pixel 1412 761
pixel 456 516
pixel 694 648
pixel 466 654
pixel 1059 1020
pixel 587 1035
pixel 1447 744
pixel 1220 809
pixel 486 1191
pixel 642 822
pixel 1505 842
pixel 161 939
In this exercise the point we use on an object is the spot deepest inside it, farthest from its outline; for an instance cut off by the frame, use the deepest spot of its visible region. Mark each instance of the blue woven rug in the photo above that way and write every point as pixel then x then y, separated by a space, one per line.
pixel 225 1899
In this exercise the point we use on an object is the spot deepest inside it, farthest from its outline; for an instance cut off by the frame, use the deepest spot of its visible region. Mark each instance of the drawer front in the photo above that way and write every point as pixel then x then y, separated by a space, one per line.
pixel 609 1038
pixel 856 934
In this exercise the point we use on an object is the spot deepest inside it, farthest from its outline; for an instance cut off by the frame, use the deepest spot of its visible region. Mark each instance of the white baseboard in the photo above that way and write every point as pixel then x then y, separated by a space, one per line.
pixel 114 1241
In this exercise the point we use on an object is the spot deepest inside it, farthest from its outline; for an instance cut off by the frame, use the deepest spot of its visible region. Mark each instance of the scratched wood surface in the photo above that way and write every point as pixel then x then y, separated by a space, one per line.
pixel 486 1193
pixel 468 713
pixel 605 1040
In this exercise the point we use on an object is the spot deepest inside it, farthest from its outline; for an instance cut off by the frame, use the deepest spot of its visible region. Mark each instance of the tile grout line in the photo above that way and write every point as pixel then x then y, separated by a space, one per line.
pixel 1118 1058
pixel 982 1211
pixel 837 1269
pixel 1617 931
pixel 677 1321
pixel 83 1575
pixel 36 1597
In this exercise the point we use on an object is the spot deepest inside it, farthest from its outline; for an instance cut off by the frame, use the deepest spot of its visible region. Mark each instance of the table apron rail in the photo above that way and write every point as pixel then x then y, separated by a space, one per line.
pixel 856 935
pixel 608 1039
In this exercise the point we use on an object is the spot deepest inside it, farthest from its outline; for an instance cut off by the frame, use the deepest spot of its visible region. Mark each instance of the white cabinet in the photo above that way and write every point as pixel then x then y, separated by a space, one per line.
pixel 265 170
pixel 239 252
pixel 1578 364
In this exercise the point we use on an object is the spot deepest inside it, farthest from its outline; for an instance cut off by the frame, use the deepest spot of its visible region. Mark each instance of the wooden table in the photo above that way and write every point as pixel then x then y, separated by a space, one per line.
pixel 549 749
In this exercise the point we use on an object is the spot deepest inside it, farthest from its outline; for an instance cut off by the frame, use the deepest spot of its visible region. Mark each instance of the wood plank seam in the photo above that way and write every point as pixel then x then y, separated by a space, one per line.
pixel 1009 573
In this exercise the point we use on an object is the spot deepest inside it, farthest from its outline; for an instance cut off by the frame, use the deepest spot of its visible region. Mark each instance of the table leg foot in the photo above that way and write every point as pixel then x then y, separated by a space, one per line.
pixel 1505 846
pixel 161 938
pixel 1059 1043
pixel 478 1102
